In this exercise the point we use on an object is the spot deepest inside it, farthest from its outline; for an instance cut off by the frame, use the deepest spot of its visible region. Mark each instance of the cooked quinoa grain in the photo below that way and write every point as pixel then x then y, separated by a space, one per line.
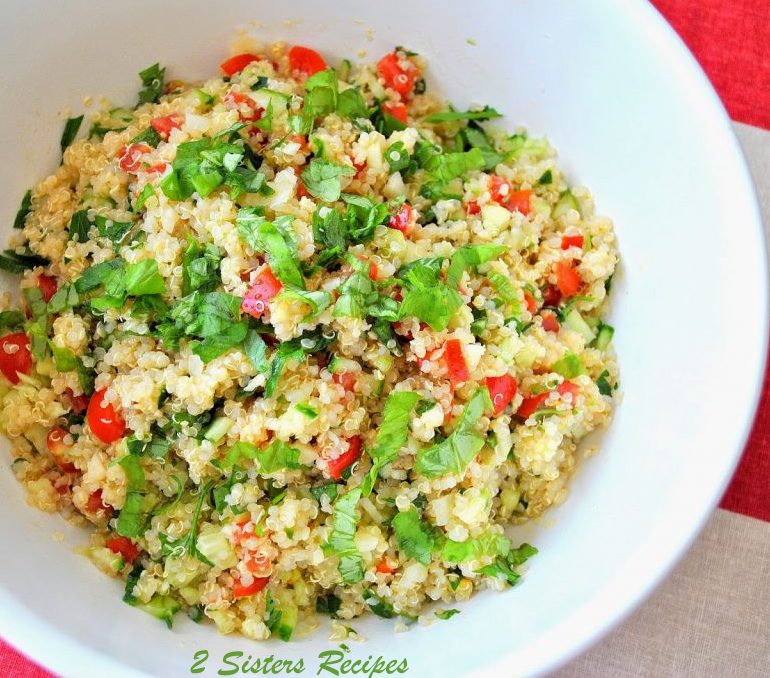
pixel 298 341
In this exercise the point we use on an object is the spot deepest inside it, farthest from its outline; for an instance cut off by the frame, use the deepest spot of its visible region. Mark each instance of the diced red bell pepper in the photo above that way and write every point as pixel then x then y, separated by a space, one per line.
pixel 397 111
pixel 47 285
pixel 402 220
pixel 15 357
pixel 531 404
pixel 472 207
pixel 346 459
pixel 550 321
pixel 567 278
pixel 247 108
pixel 551 296
pixel 385 566
pixel 531 302
pixel 502 390
pixel 163 126
pixel 130 157
pixel 304 61
pixel 95 503
pixel 235 64
pixel 574 240
pixel 503 194
pixel 125 547
pixel 399 74
pixel 263 288
pixel 455 361
pixel 345 379
pixel 245 590
pixel 78 403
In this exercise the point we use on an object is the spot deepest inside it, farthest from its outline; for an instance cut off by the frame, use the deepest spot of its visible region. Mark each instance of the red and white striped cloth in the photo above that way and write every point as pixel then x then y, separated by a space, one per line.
pixel 712 616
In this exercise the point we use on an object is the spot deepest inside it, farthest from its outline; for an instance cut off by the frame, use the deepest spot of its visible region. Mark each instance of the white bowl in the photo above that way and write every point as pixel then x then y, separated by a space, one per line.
pixel 635 120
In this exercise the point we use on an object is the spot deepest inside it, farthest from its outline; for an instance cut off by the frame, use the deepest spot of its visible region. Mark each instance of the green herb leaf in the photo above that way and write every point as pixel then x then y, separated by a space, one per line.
pixel 322 178
pixel 446 614
pixel 148 136
pixel 485 113
pixel 454 453
pixel 200 267
pixel 342 537
pixel 470 256
pixel 147 192
pixel 71 128
pixel 447 166
pixel 153 78
pixel 264 236
pixel 391 434
pixel 79 226
pixel 143 278
pixel 11 319
pixel 256 350
pixel 415 537
pixel 24 209
pixel 377 605
pixel 488 544
pixel 114 230
pixel 132 519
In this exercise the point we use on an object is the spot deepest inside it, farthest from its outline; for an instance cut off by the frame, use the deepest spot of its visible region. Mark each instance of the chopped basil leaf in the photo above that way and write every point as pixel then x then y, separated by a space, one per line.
pixel 470 256
pixel 488 544
pixel 96 275
pixel 79 226
pixel 132 519
pixel 342 537
pixel 24 210
pixel 264 236
pixel 446 614
pixel 256 350
pixel 453 454
pixel 545 178
pixel 605 388
pixel 153 79
pixel 156 448
pixel 116 231
pixel 143 278
pixel 391 434
pixel 448 166
pixel 377 605
pixel 415 537
pixel 260 83
pixel 322 178
pixel 11 319
pixel 71 128
pixel 426 298
pixel 148 136
pixel 398 157
pixel 503 565
pixel 328 604
pixel 13 262
pixel 277 456
pixel 485 113
pixel 329 489
pixel 200 267
pixel 147 192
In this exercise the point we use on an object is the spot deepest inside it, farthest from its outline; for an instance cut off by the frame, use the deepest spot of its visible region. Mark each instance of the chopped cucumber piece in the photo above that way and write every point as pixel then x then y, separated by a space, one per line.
pixel 105 559
pixel 218 429
pixel 575 322
pixel 604 336
pixel 494 218
pixel 309 412
pixel 161 607
pixel 384 363
pixel 214 545
pixel 289 615
pixel 569 366
pixel 566 202
pixel 339 365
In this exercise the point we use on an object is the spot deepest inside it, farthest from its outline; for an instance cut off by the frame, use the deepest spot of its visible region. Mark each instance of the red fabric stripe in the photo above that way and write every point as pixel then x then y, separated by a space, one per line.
pixel 730 39
pixel 13 664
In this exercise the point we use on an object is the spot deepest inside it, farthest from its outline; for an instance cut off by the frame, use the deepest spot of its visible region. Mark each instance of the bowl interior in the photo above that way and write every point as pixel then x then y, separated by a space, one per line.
pixel 634 119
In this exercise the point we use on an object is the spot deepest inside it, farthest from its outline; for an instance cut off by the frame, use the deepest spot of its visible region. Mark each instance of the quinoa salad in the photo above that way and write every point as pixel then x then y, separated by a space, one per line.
pixel 301 341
